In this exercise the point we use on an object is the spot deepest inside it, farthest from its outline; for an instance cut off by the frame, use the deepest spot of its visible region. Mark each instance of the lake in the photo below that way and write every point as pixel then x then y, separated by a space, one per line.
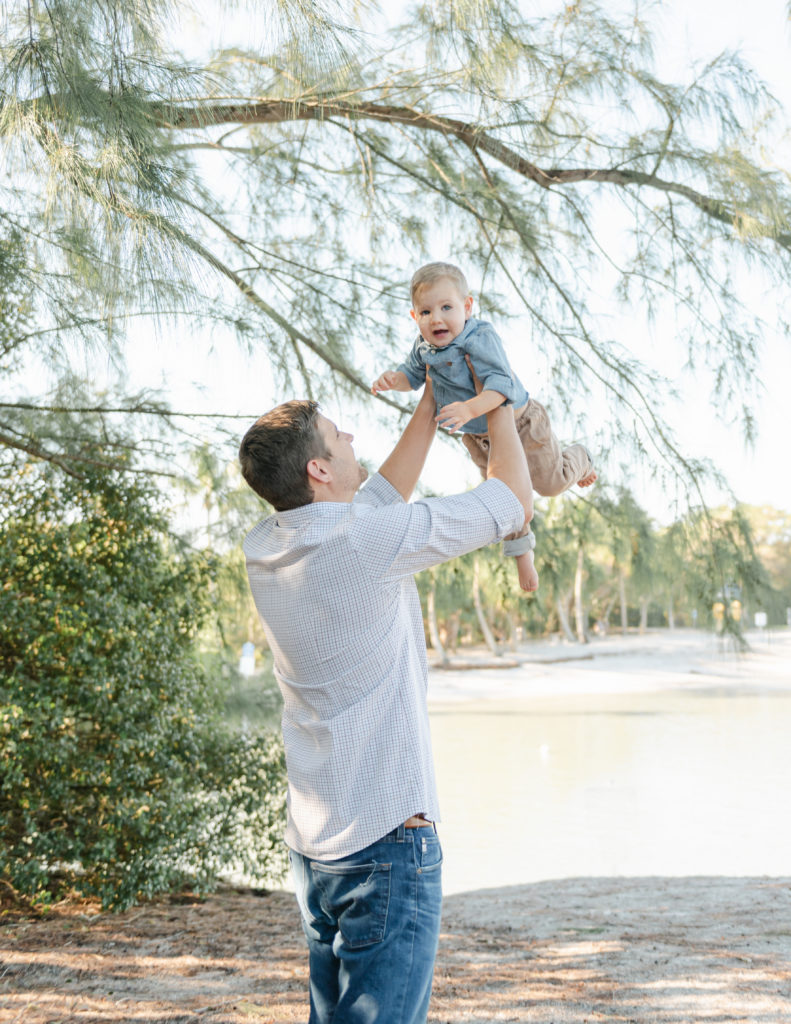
pixel 661 755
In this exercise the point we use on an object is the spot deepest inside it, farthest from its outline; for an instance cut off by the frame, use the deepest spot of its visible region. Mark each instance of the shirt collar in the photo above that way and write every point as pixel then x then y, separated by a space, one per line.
pixel 293 517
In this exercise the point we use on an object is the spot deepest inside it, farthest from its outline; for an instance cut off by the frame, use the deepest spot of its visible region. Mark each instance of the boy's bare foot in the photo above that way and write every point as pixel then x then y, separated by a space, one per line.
pixel 591 475
pixel 528 577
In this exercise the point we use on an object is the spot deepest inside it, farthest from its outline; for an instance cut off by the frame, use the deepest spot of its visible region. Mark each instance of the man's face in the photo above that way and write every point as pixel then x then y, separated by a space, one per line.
pixel 347 472
pixel 441 311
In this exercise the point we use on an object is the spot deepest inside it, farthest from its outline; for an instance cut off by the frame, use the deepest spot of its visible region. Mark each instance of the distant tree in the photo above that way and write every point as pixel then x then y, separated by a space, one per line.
pixel 771 531
pixel 720 560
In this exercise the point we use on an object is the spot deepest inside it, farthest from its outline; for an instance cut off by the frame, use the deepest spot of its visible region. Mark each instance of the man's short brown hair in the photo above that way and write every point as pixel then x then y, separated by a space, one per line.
pixel 431 272
pixel 275 452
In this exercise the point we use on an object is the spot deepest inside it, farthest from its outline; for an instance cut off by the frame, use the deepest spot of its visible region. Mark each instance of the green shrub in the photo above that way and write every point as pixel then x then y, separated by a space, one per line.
pixel 117 776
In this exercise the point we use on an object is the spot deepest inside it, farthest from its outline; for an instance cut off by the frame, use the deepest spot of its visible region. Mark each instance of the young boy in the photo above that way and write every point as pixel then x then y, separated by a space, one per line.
pixel 449 336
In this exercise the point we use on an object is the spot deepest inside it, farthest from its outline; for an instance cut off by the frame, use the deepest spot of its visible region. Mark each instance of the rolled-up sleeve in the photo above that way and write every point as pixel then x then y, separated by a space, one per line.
pixel 400 540
pixel 414 368
pixel 490 362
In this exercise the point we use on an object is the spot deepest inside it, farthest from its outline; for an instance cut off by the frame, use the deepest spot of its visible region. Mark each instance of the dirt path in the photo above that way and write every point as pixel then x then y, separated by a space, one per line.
pixel 660 950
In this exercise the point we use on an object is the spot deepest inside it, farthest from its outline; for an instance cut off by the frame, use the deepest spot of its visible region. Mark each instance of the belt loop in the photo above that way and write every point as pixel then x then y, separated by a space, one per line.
pixel 400 833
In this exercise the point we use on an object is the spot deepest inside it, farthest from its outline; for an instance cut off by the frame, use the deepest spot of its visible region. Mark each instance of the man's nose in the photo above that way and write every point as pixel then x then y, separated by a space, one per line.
pixel 347 437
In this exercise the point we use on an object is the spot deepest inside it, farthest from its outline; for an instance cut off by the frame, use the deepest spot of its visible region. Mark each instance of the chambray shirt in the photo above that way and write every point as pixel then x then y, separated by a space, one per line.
pixel 333 584
pixel 451 376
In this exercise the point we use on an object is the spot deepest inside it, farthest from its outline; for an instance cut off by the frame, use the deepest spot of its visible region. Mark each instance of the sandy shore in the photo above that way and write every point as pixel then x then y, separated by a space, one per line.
pixel 669 951
pixel 637 663
pixel 665 950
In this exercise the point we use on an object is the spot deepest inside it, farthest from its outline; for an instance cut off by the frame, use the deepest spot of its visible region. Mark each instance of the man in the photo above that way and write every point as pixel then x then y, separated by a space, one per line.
pixel 331 573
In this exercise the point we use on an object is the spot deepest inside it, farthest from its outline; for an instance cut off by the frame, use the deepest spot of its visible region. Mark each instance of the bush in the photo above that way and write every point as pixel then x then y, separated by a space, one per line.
pixel 117 778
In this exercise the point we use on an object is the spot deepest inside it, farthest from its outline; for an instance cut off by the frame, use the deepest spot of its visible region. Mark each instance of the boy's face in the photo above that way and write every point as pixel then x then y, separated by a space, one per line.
pixel 440 311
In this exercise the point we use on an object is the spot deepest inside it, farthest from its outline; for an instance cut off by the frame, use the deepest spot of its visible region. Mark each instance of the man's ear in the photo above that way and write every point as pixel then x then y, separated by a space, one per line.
pixel 319 470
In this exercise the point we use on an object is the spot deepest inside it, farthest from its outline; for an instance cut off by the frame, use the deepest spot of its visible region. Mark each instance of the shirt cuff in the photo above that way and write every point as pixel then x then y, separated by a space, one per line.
pixel 503 504
pixel 505 385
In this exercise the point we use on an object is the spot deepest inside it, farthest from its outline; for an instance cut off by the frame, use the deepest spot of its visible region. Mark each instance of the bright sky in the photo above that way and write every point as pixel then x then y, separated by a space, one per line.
pixel 687 31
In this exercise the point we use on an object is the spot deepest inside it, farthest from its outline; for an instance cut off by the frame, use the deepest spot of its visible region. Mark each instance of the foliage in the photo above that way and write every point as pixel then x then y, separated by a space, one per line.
pixel 771 531
pixel 230 509
pixel 117 777
pixel 666 576
pixel 719 554
pixel 547 153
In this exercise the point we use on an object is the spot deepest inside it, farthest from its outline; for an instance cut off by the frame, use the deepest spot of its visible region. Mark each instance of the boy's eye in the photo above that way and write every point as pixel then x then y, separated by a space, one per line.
pixel 446 306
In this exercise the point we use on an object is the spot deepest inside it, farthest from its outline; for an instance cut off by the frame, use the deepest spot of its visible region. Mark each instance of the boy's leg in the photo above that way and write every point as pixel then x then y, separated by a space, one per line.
pixel 552 469
pixel 517 545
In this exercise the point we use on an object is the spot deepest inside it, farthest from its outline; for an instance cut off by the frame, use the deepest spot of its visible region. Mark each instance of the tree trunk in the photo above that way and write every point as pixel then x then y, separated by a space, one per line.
pixel 452 625
pixel 512 629
pixel 622 594
pixel 582 635
pixel 433 629
pixel 565 625
pixel 476 597
pixel 671 615
pixel 643 614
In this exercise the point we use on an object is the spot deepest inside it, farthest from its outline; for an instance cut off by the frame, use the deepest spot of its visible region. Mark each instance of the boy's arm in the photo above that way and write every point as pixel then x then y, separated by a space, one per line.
pixel 456 414
pixel 403 466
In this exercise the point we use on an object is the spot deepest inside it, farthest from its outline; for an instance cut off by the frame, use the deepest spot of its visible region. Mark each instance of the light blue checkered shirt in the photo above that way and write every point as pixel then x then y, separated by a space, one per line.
pixel 333 584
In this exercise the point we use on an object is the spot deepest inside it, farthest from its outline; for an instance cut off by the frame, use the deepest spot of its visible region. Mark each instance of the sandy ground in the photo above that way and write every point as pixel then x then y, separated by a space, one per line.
pixel 664 950
pixel 649 950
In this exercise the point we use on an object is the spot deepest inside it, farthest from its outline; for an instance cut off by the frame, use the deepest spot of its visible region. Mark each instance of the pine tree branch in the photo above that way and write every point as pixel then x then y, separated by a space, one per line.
pixel 142 409
pixel 295 336
pixel 472 135
pixel 68 463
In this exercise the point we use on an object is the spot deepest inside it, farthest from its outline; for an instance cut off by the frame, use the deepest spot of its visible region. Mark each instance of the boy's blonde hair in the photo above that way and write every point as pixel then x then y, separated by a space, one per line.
pixel 432 272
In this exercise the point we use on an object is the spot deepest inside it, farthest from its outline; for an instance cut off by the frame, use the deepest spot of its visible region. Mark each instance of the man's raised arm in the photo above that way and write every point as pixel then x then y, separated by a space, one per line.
pixel 403 466
pixel 507 460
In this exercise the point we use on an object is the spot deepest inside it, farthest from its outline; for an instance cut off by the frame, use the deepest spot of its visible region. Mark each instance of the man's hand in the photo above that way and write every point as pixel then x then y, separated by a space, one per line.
pixel 391 380
pixel 454 415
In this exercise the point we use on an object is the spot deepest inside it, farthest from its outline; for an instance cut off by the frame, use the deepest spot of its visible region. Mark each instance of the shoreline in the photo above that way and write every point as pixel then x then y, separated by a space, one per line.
pixel 655 661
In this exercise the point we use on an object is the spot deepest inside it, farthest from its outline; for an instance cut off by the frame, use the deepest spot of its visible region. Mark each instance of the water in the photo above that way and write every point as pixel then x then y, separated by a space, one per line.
pixel 656 764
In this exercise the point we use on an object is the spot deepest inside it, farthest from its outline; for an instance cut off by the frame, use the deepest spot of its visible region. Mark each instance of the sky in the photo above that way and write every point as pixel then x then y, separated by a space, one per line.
pixel 224 380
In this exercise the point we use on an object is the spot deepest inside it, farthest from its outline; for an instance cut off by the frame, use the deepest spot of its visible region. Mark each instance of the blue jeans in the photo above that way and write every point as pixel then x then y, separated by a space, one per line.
pixel 372 925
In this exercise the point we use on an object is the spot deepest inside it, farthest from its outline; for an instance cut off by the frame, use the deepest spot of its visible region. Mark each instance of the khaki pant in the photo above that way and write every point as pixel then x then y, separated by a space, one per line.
pixel 552 469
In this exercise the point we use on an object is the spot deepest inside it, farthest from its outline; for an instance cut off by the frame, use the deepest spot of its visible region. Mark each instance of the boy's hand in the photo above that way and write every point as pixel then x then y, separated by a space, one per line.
pixel 454 415
pixel 391 380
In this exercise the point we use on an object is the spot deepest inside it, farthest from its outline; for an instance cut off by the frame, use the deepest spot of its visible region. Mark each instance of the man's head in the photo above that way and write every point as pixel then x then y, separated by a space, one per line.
pixel 294 456
pixel 441 302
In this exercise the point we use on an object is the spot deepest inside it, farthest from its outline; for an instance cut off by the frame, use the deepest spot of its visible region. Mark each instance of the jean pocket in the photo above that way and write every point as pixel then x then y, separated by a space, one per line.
pixel 358 897
pixel 429 855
